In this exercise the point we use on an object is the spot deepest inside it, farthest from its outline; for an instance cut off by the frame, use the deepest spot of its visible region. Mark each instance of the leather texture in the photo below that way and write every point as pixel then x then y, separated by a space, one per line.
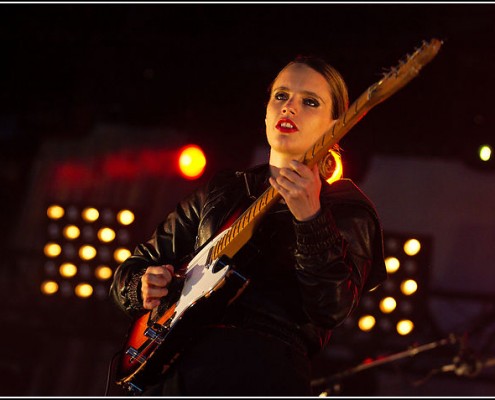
pixel 306 277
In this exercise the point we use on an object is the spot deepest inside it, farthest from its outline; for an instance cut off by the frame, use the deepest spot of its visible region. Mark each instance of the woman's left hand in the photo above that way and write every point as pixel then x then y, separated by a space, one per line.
pixel 300 187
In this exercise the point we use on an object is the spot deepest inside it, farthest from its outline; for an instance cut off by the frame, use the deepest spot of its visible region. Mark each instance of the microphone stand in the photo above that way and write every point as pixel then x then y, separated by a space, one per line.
pixel 466 362
pixel 451 339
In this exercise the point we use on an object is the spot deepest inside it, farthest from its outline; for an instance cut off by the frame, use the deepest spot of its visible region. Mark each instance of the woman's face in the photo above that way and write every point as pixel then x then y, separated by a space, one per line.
pixel 298 112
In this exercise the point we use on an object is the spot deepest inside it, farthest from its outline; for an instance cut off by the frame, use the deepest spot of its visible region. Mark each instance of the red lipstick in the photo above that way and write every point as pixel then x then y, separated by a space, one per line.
pixel 285 125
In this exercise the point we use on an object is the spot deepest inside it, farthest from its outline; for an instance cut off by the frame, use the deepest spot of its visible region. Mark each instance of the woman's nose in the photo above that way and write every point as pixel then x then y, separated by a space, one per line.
pixel 289 108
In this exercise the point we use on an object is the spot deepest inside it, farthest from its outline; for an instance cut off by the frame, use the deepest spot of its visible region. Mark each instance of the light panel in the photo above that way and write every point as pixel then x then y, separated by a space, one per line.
pixel 397 309
pixel 84 244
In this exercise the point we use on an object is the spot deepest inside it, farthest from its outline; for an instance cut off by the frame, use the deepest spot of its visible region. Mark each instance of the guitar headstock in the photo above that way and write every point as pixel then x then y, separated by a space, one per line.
pixel 395 79
pixel 401 74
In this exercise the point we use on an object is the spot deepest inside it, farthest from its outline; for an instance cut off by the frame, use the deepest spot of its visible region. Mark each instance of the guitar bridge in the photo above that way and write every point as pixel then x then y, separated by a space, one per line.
pixel 134 389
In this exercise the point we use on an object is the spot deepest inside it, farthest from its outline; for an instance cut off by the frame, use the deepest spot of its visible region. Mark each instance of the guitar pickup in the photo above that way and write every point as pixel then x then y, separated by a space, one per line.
pixel 151 333
pixel 154 334
pixel 135 355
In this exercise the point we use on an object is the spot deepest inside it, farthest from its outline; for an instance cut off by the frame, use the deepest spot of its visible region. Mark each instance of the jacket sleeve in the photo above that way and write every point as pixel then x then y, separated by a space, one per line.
pixel 171 242
pixel 333 260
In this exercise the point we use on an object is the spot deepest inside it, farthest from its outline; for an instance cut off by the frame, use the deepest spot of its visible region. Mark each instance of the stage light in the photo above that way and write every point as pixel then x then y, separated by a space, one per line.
pixel 55 212
pixel 366 322
pixel 49 287
pixel 125 217
pixel 412 247
pixel 90 214
pixel 485 152
pixel 80 249
pixel 387 305
pixel 392 264
pixel 52 250
pixel 121 254
pixel 106 235
pixel 405 327
pixel 480 156
pixel 396 309
pixel 87 252
pixel 103 272
pixel 192 162
pixel 68 270
pixel 83 290
pixel 71 232
pixel 408 287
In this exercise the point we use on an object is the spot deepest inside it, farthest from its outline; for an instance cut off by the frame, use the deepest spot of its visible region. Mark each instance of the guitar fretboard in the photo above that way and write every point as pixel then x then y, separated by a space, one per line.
pixel 244 225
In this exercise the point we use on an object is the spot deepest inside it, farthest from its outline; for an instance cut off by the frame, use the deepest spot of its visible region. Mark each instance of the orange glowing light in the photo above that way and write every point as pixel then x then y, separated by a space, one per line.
pixel 125 217
pixel 192 162
pixel 49 287
pixel 55 212
pixel 339 168
pixel 366 323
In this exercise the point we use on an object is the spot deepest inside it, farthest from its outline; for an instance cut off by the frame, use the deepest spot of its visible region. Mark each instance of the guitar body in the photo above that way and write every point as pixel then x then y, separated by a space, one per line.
pixel 156 338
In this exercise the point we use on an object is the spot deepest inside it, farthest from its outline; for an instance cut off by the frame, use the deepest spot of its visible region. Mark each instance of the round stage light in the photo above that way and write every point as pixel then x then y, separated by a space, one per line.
pixel 412 247
pixel 408 287
pixel 106 235
pixel 485 153
pixel 192 162
pixel 87 252
pixel 121 254
pixel 404 327
pixel 90 214
pixel 392 264
pixel 68 270
pixel 49 287
pixel 71 232
pixel 387 305
pixel 103 272
pixel 83 290
pixel 55 212
pixel 366 323
pixel 125 217
pixel 52 250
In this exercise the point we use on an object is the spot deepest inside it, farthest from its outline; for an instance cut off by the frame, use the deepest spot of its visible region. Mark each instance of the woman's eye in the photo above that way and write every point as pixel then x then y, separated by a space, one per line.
pixel 311 102
pixel 281 96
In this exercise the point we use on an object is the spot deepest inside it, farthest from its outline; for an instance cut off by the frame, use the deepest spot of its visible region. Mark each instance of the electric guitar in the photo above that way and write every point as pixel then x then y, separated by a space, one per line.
pixel 209 283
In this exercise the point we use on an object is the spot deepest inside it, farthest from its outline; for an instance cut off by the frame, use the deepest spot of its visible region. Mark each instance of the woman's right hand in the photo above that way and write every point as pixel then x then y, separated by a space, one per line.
pixel 154 284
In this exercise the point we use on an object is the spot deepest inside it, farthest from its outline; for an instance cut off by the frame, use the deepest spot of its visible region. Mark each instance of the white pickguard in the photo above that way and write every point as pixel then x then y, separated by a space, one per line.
pixel 200 279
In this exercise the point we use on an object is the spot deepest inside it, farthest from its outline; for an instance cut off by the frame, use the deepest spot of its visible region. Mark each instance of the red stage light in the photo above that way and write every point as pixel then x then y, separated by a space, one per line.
pixel 192 162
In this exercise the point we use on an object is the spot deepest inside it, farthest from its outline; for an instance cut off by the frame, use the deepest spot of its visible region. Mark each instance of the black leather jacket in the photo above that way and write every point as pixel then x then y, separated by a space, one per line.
pixel 306 277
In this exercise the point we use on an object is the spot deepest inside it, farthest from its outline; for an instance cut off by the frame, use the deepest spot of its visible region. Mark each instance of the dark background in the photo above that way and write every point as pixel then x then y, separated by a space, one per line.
pixel 80 78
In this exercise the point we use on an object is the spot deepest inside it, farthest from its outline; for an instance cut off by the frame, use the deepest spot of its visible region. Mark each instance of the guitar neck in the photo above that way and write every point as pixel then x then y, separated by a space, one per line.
pixel 243 227
pixel 356 111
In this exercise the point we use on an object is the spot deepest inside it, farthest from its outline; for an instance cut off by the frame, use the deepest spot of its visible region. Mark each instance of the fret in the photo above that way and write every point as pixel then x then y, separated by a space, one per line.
pixel 245 217
pixel 248 214
pixel 236 227
pixel 263 201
